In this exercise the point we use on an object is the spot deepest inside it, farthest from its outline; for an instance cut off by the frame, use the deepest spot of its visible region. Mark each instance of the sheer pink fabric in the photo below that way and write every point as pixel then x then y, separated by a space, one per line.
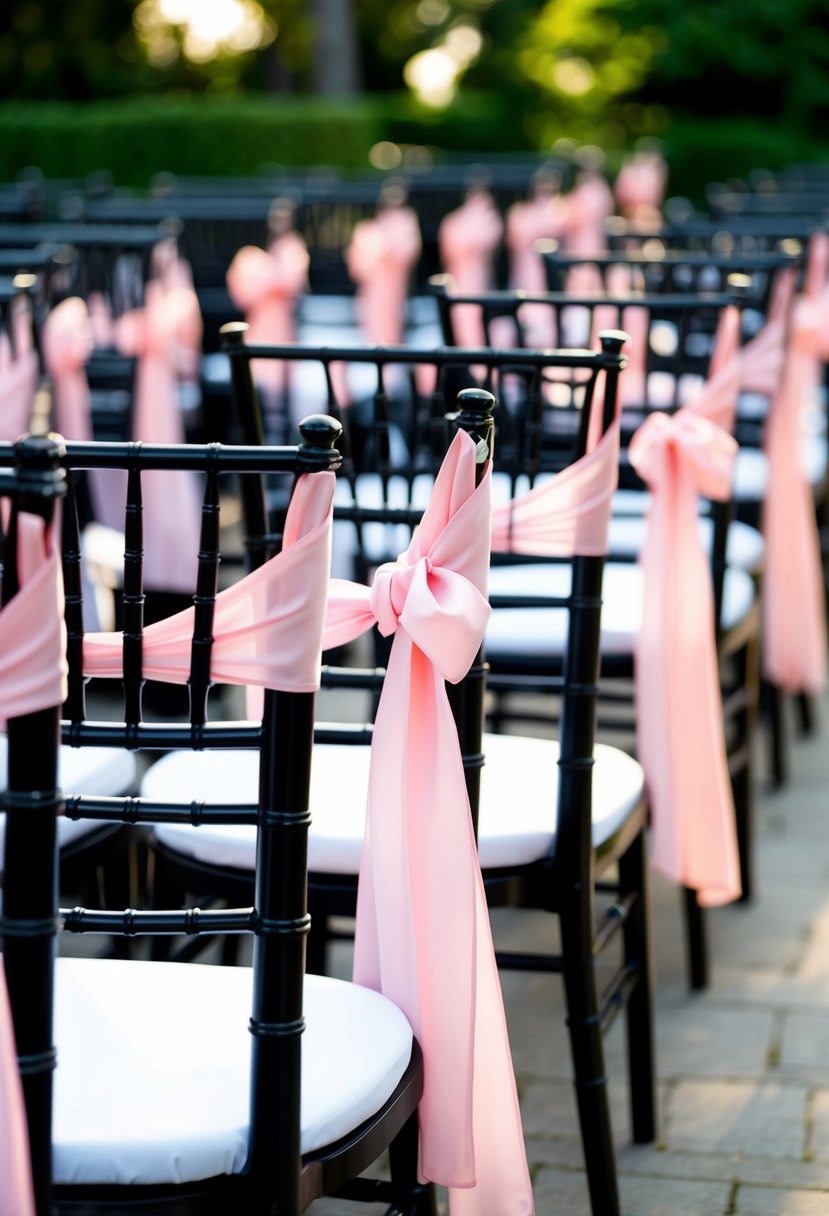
pixel 423 935
pixel 16 1192
pixel 544 216
pixel 267 627
pixel 18 378
pixel 171 501
pixel 567 515
pixel 68 341
pixel 680 731
pixel 640 185
pixel 467 240
pixel 620 282
pixel 265 286
pixel 32 677
pixel 100 316
pixel 794 612
pixel 590 204
pixel 380 258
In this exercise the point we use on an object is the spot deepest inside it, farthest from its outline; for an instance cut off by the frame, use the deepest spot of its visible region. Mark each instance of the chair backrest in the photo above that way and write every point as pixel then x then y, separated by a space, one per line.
pixel 407 395
pixel 192 651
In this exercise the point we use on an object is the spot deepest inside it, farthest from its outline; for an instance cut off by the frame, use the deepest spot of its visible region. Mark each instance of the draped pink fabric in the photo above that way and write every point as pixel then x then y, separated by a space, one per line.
pixel 68 341
pixel 422 934
pixel 635 321
pixel 267 627
pixel 544 216
pixel 18 379
pixel 567 515
pixel 467 240
pixel 32 677
pixel 794 612
pixel 171 500
pixel 680 730
pixel 639 188
pixel 16 1192
pixel 100 316
pixel 265 286
pixel 590 204
pixel 380 259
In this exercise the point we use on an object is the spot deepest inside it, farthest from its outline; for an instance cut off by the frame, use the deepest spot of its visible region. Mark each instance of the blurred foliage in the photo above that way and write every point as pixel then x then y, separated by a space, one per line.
pixel 724 84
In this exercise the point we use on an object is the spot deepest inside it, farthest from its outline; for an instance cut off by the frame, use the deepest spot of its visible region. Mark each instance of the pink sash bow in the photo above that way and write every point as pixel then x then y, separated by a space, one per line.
pixel 32 677
pixel 794 610
pixel 467 239
pixel 267 627
pixel 423 935
pixel 265 287
pixel 680 731
pixel 171 502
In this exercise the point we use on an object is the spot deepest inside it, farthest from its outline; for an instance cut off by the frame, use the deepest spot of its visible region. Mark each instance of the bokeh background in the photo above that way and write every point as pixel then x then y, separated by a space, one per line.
pixel 234 87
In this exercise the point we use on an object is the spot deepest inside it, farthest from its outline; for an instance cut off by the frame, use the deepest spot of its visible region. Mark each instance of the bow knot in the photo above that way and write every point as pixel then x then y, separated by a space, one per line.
pixel 704 450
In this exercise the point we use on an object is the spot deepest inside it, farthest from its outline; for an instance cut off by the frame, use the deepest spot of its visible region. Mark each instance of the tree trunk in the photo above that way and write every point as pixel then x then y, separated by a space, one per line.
pixel 336 69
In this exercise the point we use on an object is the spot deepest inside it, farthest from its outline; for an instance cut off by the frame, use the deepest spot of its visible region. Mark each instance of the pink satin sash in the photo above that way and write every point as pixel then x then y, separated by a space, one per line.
pixel 32 677
pixel 265 286
pixel 171 501
pixel 680 730
pixel 423 935
pixel 794 610
pixel 68 341
pixel 380 259
pixel 567 515
pixel 467 240
pixel 267 627
pixel 639 189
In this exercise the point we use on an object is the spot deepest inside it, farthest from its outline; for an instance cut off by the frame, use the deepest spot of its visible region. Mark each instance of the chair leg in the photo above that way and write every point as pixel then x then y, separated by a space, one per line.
pixel 416 1198
pixel 697 939
pixel 805 714
pixel 772 700
pixel 589 1076
pixel 633 878
pixel 741 787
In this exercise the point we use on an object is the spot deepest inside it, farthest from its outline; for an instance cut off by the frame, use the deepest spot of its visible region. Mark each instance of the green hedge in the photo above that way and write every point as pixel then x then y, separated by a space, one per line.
pixel 136 138
pixel 219 136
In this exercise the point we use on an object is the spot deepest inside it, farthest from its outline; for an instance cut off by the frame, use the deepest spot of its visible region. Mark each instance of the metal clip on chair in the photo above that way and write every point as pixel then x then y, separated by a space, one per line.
pixel 168 1087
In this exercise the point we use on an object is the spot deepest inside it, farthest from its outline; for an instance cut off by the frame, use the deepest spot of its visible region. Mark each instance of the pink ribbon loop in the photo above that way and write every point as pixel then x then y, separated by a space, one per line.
pixel 67 345
pixel 267 627
pixel 265 287
pixel 423 934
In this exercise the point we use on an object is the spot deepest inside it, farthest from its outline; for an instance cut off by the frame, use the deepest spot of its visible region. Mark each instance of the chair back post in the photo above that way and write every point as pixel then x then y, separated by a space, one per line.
pixel 475 416
pixel 32 802
pixel 580 679
pixel 281 917
pixel 249 416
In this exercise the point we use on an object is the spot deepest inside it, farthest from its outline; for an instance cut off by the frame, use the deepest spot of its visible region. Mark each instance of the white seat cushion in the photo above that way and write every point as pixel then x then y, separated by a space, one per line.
pixel 153 1076
pixel 513 829
pixel 107 771
pixel 543 631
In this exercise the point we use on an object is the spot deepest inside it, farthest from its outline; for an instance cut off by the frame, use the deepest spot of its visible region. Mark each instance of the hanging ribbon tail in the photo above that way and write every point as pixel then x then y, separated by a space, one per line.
pixel 16 1193
pixel 19 376
pixel 794 611
pixel 422 932
pixel 680 729
pixel 266 627
pixel 33 671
